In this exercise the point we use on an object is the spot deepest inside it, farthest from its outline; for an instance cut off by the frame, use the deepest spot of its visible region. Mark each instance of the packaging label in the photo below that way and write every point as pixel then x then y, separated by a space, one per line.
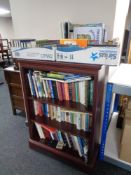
pixel 34 53
pixel 92 55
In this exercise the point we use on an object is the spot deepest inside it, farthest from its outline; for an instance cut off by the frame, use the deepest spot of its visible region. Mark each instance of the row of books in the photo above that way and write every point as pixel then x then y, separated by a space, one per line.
pixel 24 43
pixel 61 86
pixel 80 119
pixel 63 139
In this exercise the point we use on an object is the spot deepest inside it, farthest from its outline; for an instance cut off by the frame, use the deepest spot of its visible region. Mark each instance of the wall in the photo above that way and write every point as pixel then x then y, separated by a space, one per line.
pixel 41 18
pixel 6 27
pixel 128 21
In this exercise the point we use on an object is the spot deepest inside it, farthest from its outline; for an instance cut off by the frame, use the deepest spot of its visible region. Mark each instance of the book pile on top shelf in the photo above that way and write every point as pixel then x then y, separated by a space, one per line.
pixel 61 86
pixel 63 140
pixel 95 32
pixel 22 43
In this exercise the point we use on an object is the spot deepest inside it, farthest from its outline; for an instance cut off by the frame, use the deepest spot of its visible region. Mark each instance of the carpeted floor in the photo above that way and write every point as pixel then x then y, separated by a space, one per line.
pixel 17 159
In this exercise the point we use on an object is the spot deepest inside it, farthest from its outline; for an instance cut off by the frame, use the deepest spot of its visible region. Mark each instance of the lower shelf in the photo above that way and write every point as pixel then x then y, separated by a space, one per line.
pixel 71 159
pixel 112 152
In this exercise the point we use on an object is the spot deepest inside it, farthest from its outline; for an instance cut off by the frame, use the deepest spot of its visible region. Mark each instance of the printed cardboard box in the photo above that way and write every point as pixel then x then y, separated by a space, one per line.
pixel 45 53
pixel 104 55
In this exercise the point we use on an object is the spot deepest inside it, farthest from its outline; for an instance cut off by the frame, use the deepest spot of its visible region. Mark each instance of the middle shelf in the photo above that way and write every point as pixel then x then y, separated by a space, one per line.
pixel 78 107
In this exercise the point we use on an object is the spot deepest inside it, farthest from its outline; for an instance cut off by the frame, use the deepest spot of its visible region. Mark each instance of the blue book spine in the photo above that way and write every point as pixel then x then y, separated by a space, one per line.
pixel 32 83
pixel 60 136
pixel 108 100
pixel 86 122
pixel 45 108
pixel 81 145
pixel 51 88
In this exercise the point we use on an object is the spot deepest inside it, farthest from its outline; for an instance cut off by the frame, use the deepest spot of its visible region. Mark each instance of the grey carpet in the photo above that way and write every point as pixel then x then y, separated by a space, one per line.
pixel 16 158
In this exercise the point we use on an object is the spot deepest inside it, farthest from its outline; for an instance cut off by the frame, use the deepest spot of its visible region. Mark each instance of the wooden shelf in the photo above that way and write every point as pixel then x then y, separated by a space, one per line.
pixel 98 73
pixel 72 106
pixel 62 126
pixel 68 156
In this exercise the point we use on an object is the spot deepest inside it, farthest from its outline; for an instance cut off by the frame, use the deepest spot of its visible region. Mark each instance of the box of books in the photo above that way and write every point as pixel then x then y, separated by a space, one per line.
pixel 95 54
pixel 44 53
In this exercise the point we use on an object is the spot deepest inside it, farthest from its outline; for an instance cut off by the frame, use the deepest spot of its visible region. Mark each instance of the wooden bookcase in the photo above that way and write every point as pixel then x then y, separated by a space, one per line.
pixel 12 77
pixel 98 74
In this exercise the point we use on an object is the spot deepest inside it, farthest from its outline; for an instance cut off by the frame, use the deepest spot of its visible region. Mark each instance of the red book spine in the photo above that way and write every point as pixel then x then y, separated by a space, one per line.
pixel 66 91
pixel 59 91
pixel 63 91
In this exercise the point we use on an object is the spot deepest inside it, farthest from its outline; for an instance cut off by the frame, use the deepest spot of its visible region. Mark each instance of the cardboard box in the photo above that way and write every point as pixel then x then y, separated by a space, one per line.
pixel 44 53
pixel 125 148
pixel 128 114
pixel 103 55
pixel 129 103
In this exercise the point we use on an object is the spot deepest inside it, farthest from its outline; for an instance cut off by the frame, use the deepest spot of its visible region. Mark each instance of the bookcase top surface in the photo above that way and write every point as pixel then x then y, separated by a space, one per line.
pixel 60 66
pixel 122 75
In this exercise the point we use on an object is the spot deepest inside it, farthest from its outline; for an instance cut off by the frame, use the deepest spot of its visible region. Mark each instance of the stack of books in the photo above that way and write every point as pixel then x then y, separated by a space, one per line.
pixel 61 86
pixel 59 140
pixel 81 120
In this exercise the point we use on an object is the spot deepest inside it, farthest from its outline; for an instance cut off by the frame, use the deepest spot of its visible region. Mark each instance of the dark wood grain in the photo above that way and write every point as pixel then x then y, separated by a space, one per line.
pixel 69 157
pixel 15 89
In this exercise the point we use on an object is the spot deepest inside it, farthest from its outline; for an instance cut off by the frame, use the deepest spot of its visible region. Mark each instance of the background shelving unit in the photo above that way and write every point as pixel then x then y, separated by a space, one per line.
pixel 97 72
pixel 119 83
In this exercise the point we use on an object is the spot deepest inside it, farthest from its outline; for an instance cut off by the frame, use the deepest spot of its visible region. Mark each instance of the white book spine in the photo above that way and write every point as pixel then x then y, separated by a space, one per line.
pixel 45 90
pixel 58 114
pixel 36 90
pixel 82 92
pixel 68 141
pixel 40 131
pixel 35 107
pixel 78 146
pixel 78 124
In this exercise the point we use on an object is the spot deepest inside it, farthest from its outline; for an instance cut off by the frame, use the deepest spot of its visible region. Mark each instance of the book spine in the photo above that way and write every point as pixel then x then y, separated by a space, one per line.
pixel 51 89
pixel 78 146
pixel 73 92
pixel 48 88
pixel 40 131
pixel 62 91
pixel 54 89
pixel 68 140
pixel 70 91
pixel 36 90
pixel 32 83
pixel 45 90
pixel 59 91
pixel 66 91
pixel 86 127
pixel 79 121
pixel 91 89
pixel 76 92
pixel 82 92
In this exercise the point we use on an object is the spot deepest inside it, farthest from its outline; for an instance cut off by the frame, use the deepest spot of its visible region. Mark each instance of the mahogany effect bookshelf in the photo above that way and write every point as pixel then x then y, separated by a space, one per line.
pixel 97 72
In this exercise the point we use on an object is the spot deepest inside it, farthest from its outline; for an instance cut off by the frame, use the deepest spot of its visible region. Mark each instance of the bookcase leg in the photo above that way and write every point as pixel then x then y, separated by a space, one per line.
pixel 14 111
